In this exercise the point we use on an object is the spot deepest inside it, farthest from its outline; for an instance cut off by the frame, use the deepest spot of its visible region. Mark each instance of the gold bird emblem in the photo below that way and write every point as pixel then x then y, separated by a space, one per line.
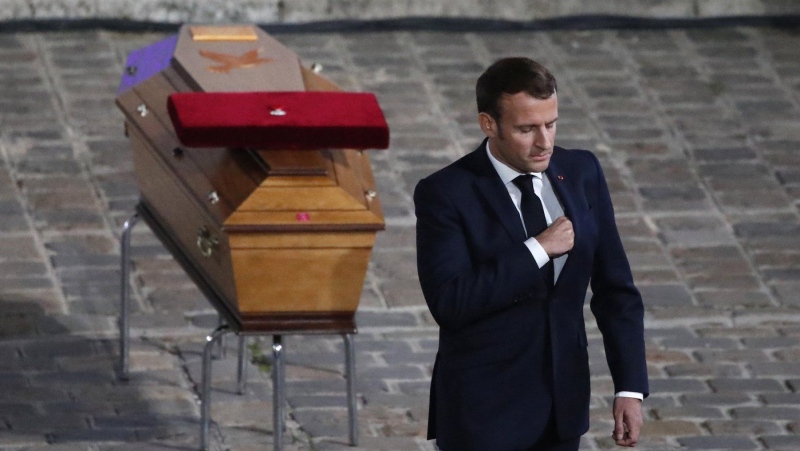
pixel 228 62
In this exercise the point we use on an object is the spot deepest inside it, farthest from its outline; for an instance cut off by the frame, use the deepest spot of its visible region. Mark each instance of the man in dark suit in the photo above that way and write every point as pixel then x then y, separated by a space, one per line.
pixel 508 239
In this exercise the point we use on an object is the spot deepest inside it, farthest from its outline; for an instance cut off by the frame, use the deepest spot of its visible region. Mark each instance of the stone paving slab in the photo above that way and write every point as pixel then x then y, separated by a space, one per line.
pixel 697 133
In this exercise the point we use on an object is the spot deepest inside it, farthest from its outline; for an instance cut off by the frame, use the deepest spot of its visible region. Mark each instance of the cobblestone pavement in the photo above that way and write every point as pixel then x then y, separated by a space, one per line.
pixel 697 131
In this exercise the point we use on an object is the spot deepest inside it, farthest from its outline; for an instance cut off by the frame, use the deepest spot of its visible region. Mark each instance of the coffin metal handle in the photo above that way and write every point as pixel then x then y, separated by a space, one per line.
pixel 206 242
pixel 142 109
pixel 213 197
pixel 370 194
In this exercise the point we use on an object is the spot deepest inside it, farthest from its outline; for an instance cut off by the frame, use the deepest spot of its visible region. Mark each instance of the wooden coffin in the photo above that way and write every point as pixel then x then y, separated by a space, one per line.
pixel 278 240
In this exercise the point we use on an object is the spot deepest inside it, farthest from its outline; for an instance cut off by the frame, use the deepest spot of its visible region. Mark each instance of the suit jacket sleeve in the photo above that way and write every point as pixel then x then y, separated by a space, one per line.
pixel 616 303
pixel 459 287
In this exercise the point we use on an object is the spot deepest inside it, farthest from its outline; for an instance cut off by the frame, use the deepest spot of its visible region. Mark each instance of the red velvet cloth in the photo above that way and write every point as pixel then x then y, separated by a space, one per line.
pixel 312 120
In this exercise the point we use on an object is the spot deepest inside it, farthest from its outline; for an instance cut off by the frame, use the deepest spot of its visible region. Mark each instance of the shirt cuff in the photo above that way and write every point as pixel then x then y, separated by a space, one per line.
pixel 629 394
pixel 538 252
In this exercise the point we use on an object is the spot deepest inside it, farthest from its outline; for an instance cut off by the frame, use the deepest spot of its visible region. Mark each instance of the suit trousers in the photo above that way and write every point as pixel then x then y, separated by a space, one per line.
pixel 550 441
pixel 566 445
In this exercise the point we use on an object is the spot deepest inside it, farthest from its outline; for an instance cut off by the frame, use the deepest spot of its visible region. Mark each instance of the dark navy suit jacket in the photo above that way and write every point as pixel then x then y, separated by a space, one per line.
pixel 494 385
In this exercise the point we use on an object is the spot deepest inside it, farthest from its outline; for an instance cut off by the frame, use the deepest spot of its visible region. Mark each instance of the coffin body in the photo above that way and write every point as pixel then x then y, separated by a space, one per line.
pixel 276 239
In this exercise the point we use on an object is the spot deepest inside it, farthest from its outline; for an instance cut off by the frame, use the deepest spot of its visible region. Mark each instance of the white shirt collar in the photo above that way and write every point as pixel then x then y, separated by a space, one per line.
pixel 507 174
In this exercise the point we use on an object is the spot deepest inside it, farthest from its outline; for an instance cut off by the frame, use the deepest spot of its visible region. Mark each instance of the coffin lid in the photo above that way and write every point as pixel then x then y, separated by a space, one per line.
pixel 215 61
pixel 305 191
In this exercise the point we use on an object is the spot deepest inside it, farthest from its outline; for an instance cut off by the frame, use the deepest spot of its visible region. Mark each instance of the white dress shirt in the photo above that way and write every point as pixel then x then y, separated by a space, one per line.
pixel 507 175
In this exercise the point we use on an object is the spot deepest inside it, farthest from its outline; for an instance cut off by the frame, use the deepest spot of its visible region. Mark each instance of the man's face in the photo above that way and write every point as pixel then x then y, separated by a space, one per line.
pixel 524 136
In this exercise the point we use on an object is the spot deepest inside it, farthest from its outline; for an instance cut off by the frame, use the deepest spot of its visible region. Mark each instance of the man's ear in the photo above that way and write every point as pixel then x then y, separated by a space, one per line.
pixel 488 125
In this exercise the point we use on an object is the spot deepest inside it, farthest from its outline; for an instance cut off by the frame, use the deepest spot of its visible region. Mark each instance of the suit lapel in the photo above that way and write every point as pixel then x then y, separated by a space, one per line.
pixel 563 191
pixel 497 197
pixel 489 185
pixel 491 188
pixel 561 188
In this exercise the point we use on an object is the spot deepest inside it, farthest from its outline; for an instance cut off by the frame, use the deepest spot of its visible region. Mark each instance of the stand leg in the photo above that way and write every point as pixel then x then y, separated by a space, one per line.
pixel 278 392
pixel 241 372
pixel 352 408
pixel 205 410
pixel 125 290
pixel 219 352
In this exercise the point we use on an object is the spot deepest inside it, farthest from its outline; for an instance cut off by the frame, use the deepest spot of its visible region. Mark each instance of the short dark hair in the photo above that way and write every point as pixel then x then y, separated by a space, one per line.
pixel 510 76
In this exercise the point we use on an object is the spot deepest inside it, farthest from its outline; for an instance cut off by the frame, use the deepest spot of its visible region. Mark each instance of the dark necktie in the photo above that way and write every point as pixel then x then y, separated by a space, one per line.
pixel 533 216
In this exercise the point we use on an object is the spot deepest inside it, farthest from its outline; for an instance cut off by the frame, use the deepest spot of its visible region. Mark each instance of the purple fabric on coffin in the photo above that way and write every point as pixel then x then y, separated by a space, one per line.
pixel 147 61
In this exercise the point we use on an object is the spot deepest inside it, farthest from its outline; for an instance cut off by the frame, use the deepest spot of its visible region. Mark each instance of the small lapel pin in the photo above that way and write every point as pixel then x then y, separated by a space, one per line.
pixel 561 177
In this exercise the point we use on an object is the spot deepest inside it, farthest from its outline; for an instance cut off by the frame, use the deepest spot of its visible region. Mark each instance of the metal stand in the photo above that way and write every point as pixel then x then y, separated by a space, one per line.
pixel 278 386
pixel 220 351
pixel 241 370
pixel 205 409
pixel 350 374
pixel 278 376
pixel 125 294
pixel 277 392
